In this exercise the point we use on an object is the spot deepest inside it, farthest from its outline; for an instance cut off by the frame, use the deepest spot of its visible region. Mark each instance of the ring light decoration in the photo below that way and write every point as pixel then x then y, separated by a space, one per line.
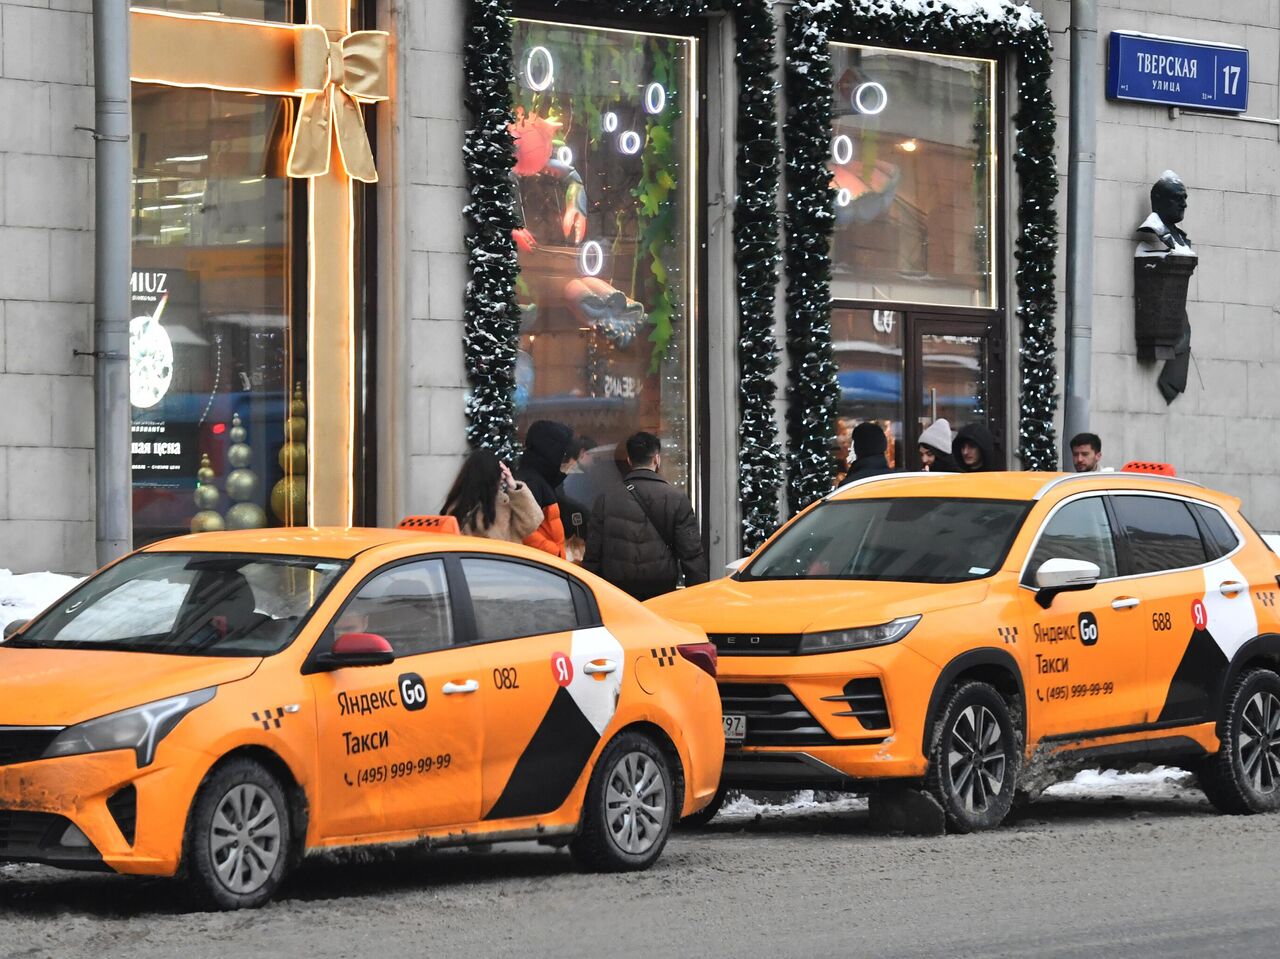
pixel 591 258
pixel 655 98
pixel 862 98
pixel 548 71
pixel 629 143
pixel 609 122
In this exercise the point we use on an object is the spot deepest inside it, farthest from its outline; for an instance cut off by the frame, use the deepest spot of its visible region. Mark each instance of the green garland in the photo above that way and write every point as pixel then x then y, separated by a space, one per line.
pixel 811 25
pixel 491 318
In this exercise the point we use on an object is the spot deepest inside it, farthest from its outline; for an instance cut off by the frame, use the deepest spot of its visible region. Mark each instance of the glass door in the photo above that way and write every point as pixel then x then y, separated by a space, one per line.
pixel 955 371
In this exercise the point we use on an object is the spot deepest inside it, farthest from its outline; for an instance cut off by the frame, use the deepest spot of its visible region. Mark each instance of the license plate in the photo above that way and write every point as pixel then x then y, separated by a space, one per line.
pixel 735 728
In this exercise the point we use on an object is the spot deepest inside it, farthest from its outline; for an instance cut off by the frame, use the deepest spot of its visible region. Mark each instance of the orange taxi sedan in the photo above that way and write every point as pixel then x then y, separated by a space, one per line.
pixel 968 636
pixel 221 705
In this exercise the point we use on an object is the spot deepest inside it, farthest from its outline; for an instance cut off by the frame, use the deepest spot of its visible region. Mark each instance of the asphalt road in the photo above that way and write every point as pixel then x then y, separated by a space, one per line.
pixel 1138 877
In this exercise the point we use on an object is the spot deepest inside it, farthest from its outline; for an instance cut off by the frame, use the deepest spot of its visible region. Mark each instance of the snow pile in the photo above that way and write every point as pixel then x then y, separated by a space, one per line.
pixel 25 595
pixel 1163 782
pixel 743 806
pixel 1014 14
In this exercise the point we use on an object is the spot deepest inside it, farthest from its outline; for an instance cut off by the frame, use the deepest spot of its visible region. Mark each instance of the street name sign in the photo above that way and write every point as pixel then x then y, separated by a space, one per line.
pixel 1177 73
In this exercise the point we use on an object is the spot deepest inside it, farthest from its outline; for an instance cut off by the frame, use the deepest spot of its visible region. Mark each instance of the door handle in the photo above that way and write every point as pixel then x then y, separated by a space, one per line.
pixel 1125 602
pixel 1230 588
pixel 603 666
pixel 470 686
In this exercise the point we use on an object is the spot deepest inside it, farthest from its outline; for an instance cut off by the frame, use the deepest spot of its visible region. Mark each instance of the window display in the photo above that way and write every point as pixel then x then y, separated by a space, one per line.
pixel 913 167
pixel 218 414
pixel 868 349
pixel 604 143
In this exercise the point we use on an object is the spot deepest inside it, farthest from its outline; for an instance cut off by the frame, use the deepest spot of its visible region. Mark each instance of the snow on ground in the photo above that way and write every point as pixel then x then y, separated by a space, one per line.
pixel 1162 782
pixel 24 595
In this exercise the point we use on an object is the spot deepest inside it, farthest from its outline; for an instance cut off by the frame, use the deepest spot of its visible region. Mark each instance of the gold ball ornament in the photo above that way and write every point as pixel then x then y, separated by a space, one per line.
pixel 207 521
pixel 295 429
pixel 237 433
pixel 207 496
pixel 289 500
pixel 205 473
pixel 246 516
pixel 299 406
pixel 239 455
pixel 293 458
pixel 241 485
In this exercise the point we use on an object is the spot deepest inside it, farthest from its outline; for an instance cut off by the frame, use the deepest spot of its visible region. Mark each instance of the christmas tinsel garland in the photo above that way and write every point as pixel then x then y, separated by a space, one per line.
pixel 938 27
pixel 492 320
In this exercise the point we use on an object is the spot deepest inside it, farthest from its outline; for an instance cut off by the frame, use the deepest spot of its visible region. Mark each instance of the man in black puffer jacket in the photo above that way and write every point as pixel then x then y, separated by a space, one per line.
pixel 643 534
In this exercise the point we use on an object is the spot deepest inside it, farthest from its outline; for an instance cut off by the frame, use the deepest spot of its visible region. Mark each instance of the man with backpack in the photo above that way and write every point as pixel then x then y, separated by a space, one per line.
pixel 642 535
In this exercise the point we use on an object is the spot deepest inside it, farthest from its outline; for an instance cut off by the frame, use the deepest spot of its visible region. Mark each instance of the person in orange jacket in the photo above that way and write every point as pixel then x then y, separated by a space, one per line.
pixel 545 447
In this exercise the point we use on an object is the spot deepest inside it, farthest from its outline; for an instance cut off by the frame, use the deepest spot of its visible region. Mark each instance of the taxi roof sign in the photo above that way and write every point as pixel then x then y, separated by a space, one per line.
pixel 431 524
pixel 1144 466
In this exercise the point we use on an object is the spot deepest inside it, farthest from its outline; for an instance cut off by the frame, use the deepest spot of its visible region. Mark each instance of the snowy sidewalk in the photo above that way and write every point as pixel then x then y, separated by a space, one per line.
pixel 26 594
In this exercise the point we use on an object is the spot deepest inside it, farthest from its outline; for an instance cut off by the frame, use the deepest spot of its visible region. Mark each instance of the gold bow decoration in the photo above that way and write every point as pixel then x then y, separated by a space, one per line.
pixel 334 78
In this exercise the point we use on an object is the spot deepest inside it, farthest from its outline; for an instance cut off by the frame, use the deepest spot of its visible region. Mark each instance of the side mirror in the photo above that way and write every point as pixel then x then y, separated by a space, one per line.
pixel 356 649
pixel 14 626
pixel 736 565
pixel 1064 576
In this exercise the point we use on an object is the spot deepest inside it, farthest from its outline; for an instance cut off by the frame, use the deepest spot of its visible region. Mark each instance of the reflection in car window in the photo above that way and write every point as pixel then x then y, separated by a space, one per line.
pixel 515 599
pixel 911 539
pixel 1162 535
pixel 1220 537
pixel 408 606
pixel 1079 530
pixel 188 604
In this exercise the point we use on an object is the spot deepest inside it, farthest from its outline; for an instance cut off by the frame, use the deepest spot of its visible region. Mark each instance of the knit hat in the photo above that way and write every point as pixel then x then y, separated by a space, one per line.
pixel 868 440
pixel 938 435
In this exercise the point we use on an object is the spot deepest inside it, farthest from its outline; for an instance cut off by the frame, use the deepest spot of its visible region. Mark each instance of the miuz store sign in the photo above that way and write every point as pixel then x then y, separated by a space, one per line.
pixel 1180 73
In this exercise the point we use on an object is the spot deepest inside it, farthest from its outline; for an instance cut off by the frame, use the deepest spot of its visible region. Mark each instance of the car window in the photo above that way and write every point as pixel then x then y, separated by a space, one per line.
pixel 1220 538
pixel 1161 533
pixel 188 604
pixel 517 599
pixel 912 539
pixel 407 605
pixel 1079 530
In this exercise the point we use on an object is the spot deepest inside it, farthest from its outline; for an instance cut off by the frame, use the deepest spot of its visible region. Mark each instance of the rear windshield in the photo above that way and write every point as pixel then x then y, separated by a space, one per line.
pixel 910 540
pixel 188 604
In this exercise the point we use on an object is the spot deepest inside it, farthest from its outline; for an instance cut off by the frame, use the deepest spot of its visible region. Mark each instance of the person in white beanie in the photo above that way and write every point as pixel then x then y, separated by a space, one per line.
pixel 935 448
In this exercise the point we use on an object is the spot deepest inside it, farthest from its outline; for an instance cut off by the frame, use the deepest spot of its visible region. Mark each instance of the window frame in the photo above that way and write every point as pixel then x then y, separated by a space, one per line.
pixel 1124 557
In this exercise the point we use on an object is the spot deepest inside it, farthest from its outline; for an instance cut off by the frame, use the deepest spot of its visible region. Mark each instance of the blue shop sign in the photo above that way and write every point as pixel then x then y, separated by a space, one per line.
pixel 1178 73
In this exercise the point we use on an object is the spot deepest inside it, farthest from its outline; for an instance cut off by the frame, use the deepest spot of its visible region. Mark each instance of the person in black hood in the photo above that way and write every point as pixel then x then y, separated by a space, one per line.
pixel 545 447
pixel 869 445
pixel 974 450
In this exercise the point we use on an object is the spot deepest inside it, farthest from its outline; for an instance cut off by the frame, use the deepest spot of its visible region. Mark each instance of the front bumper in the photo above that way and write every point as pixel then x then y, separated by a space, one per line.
pixel 808 732
pixel 126 819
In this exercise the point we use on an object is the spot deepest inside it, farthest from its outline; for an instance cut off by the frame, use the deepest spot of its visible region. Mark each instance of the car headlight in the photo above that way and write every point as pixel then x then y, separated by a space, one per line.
pixel 140 728
pixel 860 637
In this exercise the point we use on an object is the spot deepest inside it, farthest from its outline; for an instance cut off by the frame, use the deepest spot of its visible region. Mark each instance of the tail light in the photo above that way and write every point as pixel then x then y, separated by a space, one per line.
pixel 702 655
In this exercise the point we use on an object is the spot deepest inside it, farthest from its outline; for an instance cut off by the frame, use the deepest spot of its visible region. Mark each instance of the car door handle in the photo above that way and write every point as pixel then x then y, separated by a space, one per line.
pixel 600 667
pixel 1230 588
pixel 470 686
pixel 1125 602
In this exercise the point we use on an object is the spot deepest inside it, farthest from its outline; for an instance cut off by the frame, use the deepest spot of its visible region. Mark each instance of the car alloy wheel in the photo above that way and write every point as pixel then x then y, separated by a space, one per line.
pixel 1258 741
pixel 635 803
pixel 976 758
pixel 244 838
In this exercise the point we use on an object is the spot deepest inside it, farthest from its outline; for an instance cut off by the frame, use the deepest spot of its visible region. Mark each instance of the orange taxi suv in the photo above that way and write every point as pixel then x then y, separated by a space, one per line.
pixel 970 635
pixel 218 706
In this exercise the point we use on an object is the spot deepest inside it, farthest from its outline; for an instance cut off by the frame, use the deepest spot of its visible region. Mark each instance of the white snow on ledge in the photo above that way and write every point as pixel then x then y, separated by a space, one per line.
pixel 1020 17
pixel 24 595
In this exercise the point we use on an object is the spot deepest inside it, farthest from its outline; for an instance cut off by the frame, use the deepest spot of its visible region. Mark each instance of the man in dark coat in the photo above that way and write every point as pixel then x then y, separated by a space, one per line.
pixel 869 446
pixel 974 450
pixel 643 534
pixel 545 446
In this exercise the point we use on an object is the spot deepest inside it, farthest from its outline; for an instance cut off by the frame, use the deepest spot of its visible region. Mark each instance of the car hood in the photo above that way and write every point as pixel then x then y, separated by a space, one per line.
pixel 61 687
pixel 808 605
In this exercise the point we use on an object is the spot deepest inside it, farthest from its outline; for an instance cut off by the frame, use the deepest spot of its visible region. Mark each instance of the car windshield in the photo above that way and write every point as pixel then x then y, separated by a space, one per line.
pixel 188 604
pixel 910 540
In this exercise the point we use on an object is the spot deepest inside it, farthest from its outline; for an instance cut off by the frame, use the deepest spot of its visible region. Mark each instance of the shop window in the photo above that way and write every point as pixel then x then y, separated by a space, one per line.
pixel 213 360
pixel 278 11
pixel 868 348
pixel 605 148
pixel 913 167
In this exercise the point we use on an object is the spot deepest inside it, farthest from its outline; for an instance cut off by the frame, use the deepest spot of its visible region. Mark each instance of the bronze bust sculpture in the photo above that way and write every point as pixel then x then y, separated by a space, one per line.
pixel 1163 264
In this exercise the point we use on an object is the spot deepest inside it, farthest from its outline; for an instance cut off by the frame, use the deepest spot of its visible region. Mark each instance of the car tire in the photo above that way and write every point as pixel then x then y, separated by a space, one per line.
pixel 707 813
pixel 629 809
pixel 1243 777
pixel 239 842
pixel 973 795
